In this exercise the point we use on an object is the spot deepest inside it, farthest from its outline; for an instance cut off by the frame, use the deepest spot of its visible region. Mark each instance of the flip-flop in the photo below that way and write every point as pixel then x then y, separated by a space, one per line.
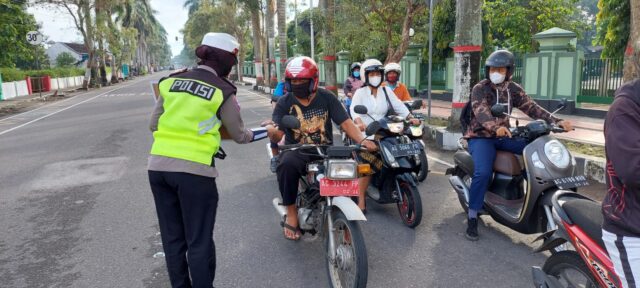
pixel 296 230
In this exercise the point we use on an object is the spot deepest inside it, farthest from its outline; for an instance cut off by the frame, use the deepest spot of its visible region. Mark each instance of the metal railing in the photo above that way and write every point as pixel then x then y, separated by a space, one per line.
pixel 600 79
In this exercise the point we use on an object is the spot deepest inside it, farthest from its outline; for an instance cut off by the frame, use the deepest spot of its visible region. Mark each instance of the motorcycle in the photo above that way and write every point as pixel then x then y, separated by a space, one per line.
pixel 325 209
pixel 580 222
pixel 423 170
pixel 396 182
pixel 520 193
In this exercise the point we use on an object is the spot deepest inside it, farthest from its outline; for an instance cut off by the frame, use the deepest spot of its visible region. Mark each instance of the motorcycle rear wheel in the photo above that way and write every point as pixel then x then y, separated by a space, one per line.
pixel 566 266
pixel 424 167
pixel 349 268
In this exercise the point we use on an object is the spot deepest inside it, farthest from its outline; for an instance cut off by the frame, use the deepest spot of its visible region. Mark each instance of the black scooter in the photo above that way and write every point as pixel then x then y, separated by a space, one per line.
pixel 396 182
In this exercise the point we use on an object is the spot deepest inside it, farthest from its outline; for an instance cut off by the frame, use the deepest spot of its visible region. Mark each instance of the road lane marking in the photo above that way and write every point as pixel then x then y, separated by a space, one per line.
pixel 64 109
pixel 441 161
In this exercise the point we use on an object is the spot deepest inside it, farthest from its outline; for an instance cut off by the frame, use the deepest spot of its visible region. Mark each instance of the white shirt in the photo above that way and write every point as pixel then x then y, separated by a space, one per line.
pixel 377 106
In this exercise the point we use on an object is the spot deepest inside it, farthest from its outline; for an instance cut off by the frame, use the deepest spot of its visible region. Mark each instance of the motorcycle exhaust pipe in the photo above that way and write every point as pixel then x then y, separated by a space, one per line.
pixel 279 208
pixel 459 186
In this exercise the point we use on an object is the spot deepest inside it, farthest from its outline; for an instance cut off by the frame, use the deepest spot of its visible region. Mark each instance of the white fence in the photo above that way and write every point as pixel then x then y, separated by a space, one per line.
pixel 19 88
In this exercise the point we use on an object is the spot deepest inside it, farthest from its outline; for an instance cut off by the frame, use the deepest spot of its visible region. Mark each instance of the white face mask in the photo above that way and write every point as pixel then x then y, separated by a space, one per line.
pixel 496 78
pixel 375 81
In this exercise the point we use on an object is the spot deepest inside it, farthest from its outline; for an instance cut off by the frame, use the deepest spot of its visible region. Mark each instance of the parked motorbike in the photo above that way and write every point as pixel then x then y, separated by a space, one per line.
pixel 580 221
pixel 324 208
pixel 520 193
pixel 396 182
pixel 416 135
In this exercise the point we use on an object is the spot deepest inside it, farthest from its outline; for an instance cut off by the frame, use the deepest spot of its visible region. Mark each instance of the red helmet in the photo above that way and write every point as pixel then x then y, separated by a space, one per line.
pixel 302 67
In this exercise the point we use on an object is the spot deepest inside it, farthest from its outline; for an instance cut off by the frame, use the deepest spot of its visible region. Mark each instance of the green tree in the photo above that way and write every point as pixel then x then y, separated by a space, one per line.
pixel 512 23
pixel 613 27
pixel 16 22
pixel 378 28
pixel 65 59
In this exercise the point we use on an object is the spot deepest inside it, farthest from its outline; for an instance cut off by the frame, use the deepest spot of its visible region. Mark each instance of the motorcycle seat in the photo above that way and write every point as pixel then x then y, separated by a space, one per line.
pixel 507 163
pixel 587 215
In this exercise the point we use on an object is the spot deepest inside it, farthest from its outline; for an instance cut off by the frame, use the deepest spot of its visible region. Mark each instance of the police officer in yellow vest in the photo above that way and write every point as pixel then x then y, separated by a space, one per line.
pixel 196 109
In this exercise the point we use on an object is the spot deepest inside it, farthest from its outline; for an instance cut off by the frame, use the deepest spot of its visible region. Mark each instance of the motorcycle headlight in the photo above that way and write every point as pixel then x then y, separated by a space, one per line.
pixel 416 131
pixel 342 169
pixel 395 127
pixel 557 154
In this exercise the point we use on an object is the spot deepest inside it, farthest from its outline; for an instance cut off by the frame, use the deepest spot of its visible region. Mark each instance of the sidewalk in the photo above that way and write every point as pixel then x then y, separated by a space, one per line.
pixel 587 130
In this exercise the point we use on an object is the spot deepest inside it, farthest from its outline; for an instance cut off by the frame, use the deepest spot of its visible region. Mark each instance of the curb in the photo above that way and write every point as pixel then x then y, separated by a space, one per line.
pixel 592 167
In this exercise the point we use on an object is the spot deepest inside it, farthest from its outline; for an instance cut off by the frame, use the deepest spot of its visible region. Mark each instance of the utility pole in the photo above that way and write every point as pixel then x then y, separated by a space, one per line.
pixel 467 49
pixel 430 3
pixel 313 37
pixel 328 9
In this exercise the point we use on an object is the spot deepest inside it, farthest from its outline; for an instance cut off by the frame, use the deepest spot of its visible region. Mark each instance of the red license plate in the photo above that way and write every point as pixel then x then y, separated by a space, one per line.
pixel 347 188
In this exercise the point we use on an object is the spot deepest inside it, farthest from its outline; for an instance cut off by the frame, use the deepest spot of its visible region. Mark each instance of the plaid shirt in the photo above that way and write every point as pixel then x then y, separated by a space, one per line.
pixel 483 96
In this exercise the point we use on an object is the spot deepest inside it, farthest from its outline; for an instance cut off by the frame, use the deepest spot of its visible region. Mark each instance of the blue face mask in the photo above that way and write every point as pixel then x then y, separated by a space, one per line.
pixel 356 74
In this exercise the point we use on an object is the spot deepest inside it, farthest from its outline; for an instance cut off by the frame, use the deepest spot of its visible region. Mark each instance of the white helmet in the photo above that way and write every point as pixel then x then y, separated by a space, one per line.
pixel 370 65
pixel 222 41
pixel 392 67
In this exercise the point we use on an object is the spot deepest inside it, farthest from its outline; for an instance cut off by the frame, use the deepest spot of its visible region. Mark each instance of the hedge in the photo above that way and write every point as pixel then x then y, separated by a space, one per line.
pixel 13 74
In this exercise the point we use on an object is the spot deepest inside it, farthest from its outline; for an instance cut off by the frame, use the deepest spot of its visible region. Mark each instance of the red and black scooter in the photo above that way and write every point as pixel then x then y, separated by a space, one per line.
pixel 579 222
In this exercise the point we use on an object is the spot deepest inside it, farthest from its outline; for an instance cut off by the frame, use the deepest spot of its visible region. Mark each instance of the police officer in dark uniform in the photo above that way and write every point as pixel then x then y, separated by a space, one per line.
pixel 195 111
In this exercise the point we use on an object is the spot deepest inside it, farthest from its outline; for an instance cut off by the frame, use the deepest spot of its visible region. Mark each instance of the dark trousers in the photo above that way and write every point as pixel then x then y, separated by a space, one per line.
pixel 483 152
pixel 291 166
pixel 186 206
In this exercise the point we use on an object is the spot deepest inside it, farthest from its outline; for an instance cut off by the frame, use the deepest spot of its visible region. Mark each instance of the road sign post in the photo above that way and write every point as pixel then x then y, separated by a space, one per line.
pixel 35 38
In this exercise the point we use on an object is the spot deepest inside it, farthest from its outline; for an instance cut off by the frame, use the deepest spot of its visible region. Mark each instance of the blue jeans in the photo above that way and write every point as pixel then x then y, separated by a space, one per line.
pixel 483 152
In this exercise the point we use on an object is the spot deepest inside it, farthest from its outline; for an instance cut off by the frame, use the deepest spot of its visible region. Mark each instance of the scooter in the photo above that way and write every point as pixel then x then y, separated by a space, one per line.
pixel 396 182
pixel 423 170
pixel 520 193
pixel 588 265
pixel 325 209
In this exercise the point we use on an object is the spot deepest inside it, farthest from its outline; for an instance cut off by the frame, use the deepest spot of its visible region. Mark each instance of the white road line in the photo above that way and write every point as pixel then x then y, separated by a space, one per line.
pixel 441 161
pixel 61 110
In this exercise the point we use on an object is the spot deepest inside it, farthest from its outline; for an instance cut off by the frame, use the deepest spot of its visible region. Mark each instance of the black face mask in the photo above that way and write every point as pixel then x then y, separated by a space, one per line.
pixel 301 90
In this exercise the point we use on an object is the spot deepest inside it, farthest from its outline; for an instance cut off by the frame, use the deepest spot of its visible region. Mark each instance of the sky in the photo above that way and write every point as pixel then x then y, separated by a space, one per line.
pixel 57 24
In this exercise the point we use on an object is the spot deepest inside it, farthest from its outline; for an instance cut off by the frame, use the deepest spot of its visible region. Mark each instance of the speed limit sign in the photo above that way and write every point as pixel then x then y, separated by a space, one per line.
pixel 34 37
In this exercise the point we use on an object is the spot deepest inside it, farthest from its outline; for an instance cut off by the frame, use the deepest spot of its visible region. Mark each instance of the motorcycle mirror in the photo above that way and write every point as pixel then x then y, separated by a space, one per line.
pixel 290 122
pixel 372 128
pixel 562 104
pixel 361 109
pixel 417 104
pixel 498 110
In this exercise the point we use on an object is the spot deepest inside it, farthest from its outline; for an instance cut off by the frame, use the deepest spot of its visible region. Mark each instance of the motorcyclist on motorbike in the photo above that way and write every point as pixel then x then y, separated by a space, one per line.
pixel 315 108
pixel 392 73
pixel 380 102
pixel 486 134
pixel 352 83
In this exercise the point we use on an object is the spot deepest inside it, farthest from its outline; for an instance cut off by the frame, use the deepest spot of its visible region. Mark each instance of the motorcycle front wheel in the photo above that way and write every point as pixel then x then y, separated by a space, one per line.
pixel 569 268
pixel 349 269
pixel 410 208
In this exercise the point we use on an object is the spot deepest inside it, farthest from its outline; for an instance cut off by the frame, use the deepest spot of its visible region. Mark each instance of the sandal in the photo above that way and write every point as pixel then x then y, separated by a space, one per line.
pixel 296 230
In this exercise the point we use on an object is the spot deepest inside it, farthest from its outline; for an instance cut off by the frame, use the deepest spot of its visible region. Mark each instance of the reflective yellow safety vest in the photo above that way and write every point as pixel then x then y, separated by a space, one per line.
pixel 189 127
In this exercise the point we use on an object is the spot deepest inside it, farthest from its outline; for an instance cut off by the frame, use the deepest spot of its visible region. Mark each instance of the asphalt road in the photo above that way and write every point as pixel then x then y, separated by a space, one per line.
pixel 76 211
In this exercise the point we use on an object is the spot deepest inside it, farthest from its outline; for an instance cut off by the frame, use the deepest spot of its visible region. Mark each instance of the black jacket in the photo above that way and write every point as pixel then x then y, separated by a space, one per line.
pixel 621 205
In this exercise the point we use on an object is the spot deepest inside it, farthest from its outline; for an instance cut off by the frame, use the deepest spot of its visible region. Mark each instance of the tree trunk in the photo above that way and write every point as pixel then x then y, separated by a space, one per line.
pixel 115 66
pixel 257 46
pixel 629 72
pixel 88 43
pixel 328 9
pixel 397 54
pixel 468 46
pixel 282 33
pixel 272 80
